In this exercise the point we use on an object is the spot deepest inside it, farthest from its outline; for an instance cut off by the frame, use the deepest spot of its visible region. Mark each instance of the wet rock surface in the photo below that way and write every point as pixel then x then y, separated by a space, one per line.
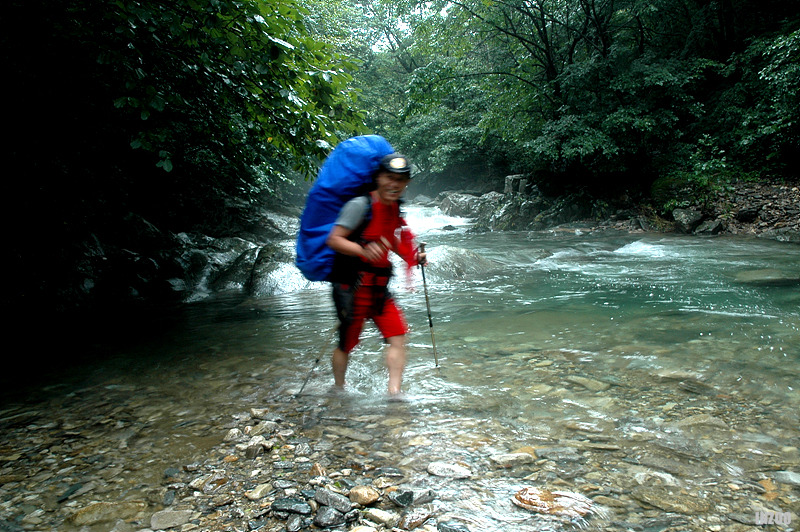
pixel 333 463
pixel 768 210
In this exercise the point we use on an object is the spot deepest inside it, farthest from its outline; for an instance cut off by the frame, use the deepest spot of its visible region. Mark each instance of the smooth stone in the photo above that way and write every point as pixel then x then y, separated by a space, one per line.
pixel 337 501
pixel 670 500
pixel 559 454
pixel 291 505
pixel 350 433
pixel 381 517
pixel 328 517
pixel 414 518
pixel 512 459
pixel 170 518
pixel 402 498
pixel 265 427
pixel 214 482
pixel 364 495
pixel 767 277
pixel 424 496
pixel 106 511
pixel 233 435
pixel 787 477
pixel 294 523
pixel 259 492
pixel 589 384
pixel 702 420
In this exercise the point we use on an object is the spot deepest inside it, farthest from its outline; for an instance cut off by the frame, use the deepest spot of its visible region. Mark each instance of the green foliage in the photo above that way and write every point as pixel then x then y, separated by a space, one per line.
pixel 607 96
pixel 169 112
pixel 706 174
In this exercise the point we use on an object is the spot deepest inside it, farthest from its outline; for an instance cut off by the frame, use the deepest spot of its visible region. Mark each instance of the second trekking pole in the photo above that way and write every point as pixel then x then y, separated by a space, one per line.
pixel 428 304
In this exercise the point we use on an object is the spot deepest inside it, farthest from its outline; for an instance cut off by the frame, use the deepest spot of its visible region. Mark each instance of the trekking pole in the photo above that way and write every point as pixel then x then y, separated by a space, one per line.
pixel 428 304
pixel 316 362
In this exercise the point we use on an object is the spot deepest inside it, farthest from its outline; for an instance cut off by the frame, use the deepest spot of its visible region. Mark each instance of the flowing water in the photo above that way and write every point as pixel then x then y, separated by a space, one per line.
pixel 626 360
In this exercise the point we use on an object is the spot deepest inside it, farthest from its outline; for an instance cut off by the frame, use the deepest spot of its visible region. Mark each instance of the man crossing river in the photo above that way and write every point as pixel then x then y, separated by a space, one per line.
pixel 366 230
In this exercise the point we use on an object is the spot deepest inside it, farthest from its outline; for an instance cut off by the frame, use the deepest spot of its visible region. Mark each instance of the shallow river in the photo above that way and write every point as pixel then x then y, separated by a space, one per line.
pixel 628 360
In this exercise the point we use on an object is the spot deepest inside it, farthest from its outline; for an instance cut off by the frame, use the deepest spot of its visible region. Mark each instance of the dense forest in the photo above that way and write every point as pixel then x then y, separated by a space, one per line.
pixel 130 119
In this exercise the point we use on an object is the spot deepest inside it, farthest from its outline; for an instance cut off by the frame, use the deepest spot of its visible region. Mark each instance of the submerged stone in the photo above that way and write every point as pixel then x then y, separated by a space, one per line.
pixel 768 277
pixel 787 477
pixel 443 469
pixel 170 518
pixel 106 511
pixel 671 500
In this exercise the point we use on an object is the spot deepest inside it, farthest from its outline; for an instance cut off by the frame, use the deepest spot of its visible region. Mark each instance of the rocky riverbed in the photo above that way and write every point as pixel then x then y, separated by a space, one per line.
pixel 124 458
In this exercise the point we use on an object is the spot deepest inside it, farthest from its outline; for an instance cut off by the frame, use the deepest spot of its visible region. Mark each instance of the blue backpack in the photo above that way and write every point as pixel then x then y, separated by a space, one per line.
pixel 348 172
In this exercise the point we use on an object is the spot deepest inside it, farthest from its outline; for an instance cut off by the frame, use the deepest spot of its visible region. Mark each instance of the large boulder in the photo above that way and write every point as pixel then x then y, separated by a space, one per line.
pixel 687 220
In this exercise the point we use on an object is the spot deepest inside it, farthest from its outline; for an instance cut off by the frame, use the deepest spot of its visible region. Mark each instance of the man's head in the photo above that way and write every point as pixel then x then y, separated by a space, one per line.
pixel 394 173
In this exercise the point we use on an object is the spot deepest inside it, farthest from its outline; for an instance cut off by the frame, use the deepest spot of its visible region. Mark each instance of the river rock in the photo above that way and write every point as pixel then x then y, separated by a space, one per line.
pixel 706 420
pixel 671 499
pixel 259 492
pixel 170 519
pixel 710 227
pixel 414 518
pixel 589 384
pixel 328 517
pixel 767 277
pixel 292 505
pixel 100 512
pixel 686 220
pixel 337 501
pixel 364 495
pixel 512 459
pixel 402 497
pixel 443 469
pixel 561 503
pixel 424 496
pixel 265 427
pixel 559 454
pixel 787 477
pixel 350 433
pixel 233 435
pixel 381 517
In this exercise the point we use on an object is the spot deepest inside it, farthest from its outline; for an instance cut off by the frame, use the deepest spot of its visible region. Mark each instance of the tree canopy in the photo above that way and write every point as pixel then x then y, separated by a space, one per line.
pixel 601 95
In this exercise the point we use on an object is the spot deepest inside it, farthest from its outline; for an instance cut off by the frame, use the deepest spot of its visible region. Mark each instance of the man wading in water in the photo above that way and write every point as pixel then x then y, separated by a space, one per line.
pixel 368 227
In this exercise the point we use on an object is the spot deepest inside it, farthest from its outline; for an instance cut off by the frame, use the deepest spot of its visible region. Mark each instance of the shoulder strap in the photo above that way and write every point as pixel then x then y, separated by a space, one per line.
pixel 366 218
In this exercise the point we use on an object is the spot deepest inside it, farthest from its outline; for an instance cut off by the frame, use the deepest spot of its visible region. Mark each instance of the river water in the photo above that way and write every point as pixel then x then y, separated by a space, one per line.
pixel 627 361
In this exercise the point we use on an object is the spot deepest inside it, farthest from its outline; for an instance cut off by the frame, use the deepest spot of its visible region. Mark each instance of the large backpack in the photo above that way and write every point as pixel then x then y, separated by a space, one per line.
pixel 348 172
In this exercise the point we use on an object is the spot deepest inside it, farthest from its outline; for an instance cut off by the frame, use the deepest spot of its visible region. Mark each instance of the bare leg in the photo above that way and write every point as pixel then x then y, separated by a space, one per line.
pixel 396 362
pixel 339 363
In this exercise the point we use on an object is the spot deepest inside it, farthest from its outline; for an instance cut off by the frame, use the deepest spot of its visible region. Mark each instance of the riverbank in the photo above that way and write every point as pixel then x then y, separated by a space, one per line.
pixel 346 462
pixel 762 209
